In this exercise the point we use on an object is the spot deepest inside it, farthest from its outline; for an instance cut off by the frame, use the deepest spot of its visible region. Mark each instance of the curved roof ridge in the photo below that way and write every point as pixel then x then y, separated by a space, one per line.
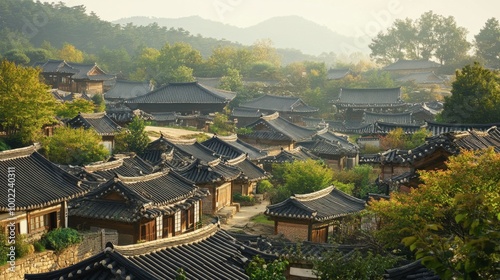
pixel 164 243
pixel 314 195
pixel 93 115
pixel 350 197
pixel 181 141
pixel 271 117
pixel 237 159
pixel 104 165
pixel 232 137
pixel 19 152
pixel 147 177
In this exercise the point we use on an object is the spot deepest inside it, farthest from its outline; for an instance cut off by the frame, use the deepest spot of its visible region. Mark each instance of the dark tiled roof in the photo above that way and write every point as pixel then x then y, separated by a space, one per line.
pixel 184 93
pixel 414 270
pixel 72 96
pixel 127 166
pixel 164 116
pixel 249 171
pixel 143 197
pixel 274 127
pixel 231 147
pixel 422 78
pixel 299 153
pixel 326 204
pixel 56 66
pixel 403 64
pixel 239 112
pixel 374 97
pixel 100 122
pixel 337 74
pixel 80 71
pixel 396 118
pixel 341 140
pixel 323 147
pixel 128 89
pixel 450 142
pixel 38 182
pixel 123 114
pixel 284 104
pixel 203 173
pixel 439 128
pixel 208 253
pixel 193 149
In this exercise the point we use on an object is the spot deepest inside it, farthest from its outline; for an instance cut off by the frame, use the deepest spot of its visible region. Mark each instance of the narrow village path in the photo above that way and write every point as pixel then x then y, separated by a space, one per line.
pixel 169 132
pixel 241 220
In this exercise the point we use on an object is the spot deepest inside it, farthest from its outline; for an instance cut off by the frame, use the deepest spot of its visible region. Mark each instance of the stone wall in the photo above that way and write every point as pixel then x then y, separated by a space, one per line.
pixel 93 243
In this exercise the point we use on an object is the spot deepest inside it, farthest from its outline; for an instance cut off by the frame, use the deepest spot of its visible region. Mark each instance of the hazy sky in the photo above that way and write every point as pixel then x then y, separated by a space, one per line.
pixel 348 17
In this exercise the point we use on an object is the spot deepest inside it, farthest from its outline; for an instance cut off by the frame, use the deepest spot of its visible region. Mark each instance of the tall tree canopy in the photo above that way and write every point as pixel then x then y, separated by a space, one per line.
pixel 133 139
pixel 487 43
pixel 430 36
pixel 452 220
pixel 26 104
pixel 475 96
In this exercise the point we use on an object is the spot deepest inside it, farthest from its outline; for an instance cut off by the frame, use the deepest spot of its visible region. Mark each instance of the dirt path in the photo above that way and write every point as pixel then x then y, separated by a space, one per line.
pixel 241 220
pixel 169 132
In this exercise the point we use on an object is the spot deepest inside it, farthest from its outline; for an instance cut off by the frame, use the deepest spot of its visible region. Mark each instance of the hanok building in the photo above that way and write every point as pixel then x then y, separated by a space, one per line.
pixel 300 153
pixel 35 192
pixel 399 167
pixel 424 79
pixel 129 165
pixel 145 208
pixel 207 253
pixel 289 107
pixel 439 128
pixel 244 116
pixel 311 217
pixel 405 67
pixel 338 74
pixel 335 150
pixel 274 132
pixel 124 90
pixel 74 77
pixel 101 123
pixel 184 98
pixel 231 147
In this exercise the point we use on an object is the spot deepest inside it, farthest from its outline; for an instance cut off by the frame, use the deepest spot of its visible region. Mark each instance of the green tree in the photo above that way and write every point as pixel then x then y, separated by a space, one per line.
pixel 17 56
pixel 181 74
pixel 71 54
pixel 232 81
pixel 74 146
pixel 362 178
pixel 133 139
pixel 99 104
pixel 300 177
pixel 475 96
pixel 336 265
pixel 221 125
pixel 258 269
pixel 26 104
pixel 71 109
pixel 452 220
pixel 487 43
pixel 177 61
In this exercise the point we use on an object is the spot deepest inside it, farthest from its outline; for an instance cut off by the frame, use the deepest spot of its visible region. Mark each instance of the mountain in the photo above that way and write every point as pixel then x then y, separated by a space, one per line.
pixel 287 32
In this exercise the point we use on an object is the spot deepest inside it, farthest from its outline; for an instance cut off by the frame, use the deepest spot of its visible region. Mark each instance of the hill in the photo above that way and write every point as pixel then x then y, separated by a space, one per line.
pixel 288 32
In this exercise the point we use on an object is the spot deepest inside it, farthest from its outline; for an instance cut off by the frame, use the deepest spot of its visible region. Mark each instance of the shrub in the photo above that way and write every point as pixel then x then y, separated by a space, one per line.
pixel 243 198
pixel 3 248
pixel 39 246
pixel 23 248
pixel 61 238
pixel 264 186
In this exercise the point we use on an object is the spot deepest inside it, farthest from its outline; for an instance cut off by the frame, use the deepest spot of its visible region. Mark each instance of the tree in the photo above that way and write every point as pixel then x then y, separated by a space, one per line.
pixel 300 177
pixel 475 97
pixel 258 269
pixel 133 139
pixel 181 74
pixel 221 125
pixel 177 62
pixel 26 104
pixel 487 43
pixel 17 56
pixel 451 221
pixel 232 81
pixel 352 266
pixel 362 178
pixel 397 139
pixel 74 146
pixel 71 54
pixel 71 109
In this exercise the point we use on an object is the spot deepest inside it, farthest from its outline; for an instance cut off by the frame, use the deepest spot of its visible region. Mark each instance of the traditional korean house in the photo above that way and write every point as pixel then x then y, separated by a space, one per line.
pixel 406 67
pixel 438 128
pixel 399 167
pixel 386 127
pixel 207 253
pixel 123 90
pixel 123 115
pixel 129 165
pixel 243 156
pixel 74 77
pixel 35 192
pixel 424 79
pixel 338 74
pixel 184 98
pixel 145 208
pixel 244 116
pixel 101 123
pixel 284 156
pixel 231 147
pixel 335 150
pixel 273 132
pixel 310 217
pixel 395 118
pixel 289 107
pixel 216 177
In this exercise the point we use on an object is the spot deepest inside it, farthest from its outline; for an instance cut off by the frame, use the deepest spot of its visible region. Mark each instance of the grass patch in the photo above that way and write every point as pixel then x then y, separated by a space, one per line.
pixel 261 219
